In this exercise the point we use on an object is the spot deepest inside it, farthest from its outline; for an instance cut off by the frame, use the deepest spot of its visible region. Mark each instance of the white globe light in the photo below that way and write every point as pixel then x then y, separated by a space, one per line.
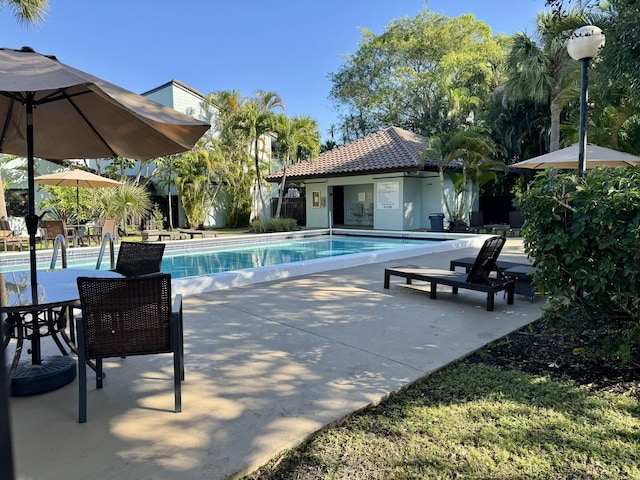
pixel 585 42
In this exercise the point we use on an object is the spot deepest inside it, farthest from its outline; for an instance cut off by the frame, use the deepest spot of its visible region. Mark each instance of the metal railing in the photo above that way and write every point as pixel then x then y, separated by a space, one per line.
pixel 106 240
pixel 59 243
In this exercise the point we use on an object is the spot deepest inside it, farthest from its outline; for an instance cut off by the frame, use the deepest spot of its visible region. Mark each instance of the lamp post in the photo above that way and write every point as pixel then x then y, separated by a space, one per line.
pixel 584 44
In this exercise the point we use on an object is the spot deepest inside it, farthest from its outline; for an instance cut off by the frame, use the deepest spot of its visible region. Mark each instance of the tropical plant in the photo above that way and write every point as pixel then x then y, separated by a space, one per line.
pixel 165 173
pixel 465 158
pixel 274 225
pixel 124 203
pixel 521 128
pixel 27 11
pixel 70 204
pixel 540 70
pixel 582 233
pixel 298 139
pixel 198 179
pixel 233 144
pixel 254 120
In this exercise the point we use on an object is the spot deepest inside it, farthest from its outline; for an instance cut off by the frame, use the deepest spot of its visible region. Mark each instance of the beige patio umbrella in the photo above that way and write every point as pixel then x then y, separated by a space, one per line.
pixel 51 110
pixel 54 111
pixel 567 158
pixel 76 178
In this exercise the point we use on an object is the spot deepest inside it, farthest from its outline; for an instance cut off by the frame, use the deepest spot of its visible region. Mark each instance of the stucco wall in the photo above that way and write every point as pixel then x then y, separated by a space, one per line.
pixel 317 215
pixel 389 202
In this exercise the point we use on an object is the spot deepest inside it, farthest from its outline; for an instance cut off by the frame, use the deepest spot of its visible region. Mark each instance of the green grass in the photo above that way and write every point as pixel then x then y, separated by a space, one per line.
pixel 475 421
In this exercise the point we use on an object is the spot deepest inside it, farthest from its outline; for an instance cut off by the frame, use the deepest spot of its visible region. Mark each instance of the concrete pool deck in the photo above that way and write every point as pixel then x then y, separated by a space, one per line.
pixel 266 365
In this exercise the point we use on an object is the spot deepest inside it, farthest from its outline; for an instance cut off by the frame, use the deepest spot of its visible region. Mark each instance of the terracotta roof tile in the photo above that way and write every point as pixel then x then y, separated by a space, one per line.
pixel 391 149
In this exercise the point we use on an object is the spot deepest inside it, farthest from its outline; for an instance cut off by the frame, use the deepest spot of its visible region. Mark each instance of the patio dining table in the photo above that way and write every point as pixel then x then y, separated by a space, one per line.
pixel 81 232
pixel 23 319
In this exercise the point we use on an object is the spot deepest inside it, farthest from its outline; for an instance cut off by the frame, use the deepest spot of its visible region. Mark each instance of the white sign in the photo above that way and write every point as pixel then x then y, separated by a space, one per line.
pixel 388 195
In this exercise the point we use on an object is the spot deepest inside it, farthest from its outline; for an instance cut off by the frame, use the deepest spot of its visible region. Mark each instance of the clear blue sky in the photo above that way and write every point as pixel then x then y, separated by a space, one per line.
pixel 286 46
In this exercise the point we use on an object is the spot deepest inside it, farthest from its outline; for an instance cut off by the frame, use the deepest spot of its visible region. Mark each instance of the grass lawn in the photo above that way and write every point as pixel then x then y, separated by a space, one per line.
pixel 510 411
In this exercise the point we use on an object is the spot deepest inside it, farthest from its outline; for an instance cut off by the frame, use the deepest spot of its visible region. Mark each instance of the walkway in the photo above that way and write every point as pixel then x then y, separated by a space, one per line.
pixel 266 366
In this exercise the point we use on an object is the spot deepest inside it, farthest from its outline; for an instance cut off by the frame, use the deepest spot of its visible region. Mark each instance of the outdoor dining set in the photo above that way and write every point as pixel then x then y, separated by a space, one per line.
pixel 95 314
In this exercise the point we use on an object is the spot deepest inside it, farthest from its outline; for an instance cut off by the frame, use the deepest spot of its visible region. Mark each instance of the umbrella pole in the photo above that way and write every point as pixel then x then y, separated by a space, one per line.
pixel 31 221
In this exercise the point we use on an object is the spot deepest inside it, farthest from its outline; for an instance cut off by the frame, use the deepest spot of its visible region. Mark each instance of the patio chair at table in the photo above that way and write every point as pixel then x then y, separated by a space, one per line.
pixel 123 317
pixel 134 259
pixel 139 258
pixel 53 228
pixel 106 225
pixel 479 277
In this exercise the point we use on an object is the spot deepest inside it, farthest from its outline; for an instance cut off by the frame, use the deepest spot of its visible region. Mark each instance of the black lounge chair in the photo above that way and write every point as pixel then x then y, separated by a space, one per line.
pixel 516 221
pixel 521 273
pixel 128 316
pixel 477 279
pixel 476 222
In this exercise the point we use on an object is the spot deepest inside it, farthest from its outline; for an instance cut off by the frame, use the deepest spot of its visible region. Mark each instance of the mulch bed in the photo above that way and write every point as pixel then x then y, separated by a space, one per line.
pixel 540 349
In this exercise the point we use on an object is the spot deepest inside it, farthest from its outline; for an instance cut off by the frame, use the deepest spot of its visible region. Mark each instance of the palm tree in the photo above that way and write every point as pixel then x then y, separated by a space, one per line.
pixel 298 139
pixel 28 11
pixel 470 153
pixel 541 71
pixel 255 119
pixel 233 144
pixel 123 203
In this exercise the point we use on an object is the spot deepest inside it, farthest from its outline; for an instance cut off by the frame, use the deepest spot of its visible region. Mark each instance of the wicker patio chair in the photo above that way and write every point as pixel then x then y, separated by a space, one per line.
pixel 137 258
pixel 124 317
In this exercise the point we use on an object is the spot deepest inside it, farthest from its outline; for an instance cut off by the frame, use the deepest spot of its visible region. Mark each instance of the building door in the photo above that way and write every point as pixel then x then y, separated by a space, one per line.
pixel 338 205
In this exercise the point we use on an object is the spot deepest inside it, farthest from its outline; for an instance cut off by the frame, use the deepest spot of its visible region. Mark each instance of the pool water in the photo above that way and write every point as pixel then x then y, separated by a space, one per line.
pixel 240 257
pixel 195 261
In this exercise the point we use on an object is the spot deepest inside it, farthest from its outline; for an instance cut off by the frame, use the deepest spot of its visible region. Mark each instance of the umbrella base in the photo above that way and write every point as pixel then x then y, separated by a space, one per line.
pixel 54 372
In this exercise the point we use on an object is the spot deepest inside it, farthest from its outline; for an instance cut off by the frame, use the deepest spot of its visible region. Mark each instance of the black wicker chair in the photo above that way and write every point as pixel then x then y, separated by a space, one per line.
pixel 127 316
pixel 137 258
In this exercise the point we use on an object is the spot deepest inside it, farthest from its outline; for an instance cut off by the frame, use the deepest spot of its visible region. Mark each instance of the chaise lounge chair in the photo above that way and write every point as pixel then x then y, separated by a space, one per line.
pixel 521 273
pixel 477 279
pixel 8 237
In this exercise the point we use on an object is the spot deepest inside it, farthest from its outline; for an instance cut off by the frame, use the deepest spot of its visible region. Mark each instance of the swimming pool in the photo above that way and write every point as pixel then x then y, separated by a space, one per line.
pixel 198 266
pixel 219 259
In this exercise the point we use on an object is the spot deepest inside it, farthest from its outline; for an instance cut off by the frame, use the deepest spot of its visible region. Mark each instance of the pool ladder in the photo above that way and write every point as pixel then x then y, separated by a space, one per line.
pixel 60 244
pixel 106 240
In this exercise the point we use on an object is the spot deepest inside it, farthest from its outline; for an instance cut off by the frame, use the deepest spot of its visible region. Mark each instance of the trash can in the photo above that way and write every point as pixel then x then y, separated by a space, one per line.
pixel 437 222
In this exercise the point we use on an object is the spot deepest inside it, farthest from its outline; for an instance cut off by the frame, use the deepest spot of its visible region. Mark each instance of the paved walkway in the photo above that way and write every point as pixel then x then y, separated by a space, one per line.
pixel 266 365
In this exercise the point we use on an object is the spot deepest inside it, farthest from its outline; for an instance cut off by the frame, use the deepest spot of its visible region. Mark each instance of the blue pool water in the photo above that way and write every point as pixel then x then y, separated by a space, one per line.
pixel 197 261
pixel 240 257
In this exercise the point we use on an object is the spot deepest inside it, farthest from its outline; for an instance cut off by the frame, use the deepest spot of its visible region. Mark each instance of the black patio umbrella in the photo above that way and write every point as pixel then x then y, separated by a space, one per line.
pixel 54 111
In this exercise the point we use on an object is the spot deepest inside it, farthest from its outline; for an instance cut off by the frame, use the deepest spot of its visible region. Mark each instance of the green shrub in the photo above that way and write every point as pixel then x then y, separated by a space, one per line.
pixel 584 235
pixel 274 225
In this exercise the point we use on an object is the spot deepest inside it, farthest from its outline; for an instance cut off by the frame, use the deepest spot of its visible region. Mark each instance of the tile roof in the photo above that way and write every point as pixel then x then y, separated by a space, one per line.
pixel 390 150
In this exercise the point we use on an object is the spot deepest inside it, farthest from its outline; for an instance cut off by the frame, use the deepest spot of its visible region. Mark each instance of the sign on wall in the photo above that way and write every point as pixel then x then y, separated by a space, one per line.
pixel 388 195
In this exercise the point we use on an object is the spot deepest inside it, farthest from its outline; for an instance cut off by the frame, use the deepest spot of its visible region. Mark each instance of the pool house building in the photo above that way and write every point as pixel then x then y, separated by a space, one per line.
pixel 382 181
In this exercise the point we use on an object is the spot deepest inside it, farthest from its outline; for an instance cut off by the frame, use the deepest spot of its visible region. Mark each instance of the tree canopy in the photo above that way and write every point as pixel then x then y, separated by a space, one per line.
pixel 430 74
